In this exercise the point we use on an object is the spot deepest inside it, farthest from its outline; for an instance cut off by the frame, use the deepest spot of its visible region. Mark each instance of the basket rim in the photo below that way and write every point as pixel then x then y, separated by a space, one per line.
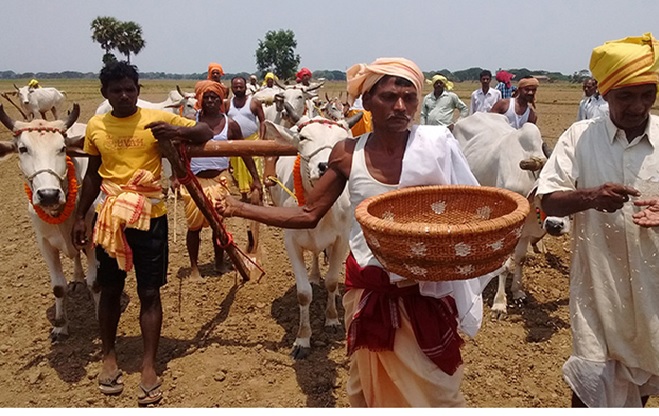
pixel 369 221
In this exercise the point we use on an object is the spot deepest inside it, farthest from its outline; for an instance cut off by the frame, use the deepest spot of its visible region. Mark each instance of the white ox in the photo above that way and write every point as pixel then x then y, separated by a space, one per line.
pixel 41 146
pixel 504 157
pixel 38 101
pixel 314 139
pixel 289 105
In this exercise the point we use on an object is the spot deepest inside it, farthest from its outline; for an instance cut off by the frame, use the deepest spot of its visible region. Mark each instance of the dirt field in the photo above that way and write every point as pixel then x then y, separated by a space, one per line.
pixel 226 344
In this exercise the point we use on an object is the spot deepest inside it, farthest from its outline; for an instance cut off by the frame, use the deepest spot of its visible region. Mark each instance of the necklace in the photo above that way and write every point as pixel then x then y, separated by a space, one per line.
pixel 70 198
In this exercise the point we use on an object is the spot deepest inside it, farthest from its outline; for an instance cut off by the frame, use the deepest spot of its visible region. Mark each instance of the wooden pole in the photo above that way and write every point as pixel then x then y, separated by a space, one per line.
pixel 197 194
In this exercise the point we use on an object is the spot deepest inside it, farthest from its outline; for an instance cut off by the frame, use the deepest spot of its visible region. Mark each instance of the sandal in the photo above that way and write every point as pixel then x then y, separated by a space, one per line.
pixel 150 395
pixel 112 384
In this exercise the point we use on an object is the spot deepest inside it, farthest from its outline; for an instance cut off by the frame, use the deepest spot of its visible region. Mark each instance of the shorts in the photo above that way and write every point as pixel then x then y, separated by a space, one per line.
pixel 150 257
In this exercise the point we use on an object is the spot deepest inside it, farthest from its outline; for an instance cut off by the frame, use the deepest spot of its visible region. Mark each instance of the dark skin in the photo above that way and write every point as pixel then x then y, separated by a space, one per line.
pixel 211 115
pixel 485 83
pixel 122 95
pixel 524 96
pixel 392 107
pixel 629 109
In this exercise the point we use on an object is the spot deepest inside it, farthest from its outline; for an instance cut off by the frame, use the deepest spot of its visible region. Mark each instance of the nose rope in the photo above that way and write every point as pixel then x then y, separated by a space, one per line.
pixel 315 152
pixel 52 172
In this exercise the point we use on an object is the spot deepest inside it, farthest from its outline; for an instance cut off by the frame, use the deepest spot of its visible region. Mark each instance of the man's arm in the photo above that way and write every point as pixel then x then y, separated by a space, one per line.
pixel 199 133
pixel 472 103
pixel 500 107
pixel 257 110
pixel 533 116
pixel 608 197
pixel 326 191
pixel 91 186
pixel 462 107
pixel 424 112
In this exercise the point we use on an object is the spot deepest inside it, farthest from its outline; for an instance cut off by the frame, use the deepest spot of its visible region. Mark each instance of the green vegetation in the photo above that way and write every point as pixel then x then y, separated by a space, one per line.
pixel 276 53
pixel 110 33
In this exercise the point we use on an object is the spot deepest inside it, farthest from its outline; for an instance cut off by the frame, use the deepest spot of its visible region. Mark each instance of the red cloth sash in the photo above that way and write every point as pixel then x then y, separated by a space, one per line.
pixel 377 317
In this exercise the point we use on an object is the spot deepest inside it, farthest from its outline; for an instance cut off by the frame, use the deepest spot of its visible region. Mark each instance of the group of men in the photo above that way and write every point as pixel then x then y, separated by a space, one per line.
pixel 403 337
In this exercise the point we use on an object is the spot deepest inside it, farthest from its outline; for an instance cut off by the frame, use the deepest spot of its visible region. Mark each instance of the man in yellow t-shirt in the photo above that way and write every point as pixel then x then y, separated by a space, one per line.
pixel 131 221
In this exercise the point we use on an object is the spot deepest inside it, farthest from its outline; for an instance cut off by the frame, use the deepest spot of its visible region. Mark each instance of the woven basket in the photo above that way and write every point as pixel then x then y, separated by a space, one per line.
pixel 438 233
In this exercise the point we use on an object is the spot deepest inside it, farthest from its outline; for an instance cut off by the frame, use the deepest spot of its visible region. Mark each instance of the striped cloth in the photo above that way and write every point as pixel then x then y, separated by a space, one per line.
pixel 125 206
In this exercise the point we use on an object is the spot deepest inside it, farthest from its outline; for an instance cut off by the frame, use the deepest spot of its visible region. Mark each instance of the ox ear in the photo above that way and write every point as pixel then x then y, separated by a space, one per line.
pixel 281 134
pixel 7 149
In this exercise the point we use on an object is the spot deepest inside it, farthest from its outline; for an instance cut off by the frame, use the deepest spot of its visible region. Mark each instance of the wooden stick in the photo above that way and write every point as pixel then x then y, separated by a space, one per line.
pixel 197 194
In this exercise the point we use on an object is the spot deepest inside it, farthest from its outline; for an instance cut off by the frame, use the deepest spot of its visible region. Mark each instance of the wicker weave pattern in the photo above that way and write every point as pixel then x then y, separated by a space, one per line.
pixel 438 233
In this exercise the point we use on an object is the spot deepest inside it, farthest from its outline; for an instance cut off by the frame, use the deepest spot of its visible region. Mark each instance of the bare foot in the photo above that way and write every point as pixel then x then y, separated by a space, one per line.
pixel 195 275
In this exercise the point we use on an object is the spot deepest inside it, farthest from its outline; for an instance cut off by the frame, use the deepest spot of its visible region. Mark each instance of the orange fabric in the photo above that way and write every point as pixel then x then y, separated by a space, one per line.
pixel 362 77
pixel 626 62
pixel 70 198
pixel 527 82
pixel 204 86
pixel 365 125
pixel 212 66
pixel 297 182
pixel 125 206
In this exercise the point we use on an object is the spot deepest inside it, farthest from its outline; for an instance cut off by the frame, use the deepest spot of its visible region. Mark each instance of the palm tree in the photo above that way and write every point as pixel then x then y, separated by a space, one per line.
pixel 104 31
pixel 129 39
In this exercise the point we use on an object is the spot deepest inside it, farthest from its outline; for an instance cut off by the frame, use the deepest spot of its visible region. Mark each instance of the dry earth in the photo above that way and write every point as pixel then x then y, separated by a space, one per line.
pixel 226 344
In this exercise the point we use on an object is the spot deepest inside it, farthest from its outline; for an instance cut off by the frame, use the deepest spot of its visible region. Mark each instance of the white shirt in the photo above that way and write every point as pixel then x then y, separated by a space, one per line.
pixel 481 101
pixel 614 277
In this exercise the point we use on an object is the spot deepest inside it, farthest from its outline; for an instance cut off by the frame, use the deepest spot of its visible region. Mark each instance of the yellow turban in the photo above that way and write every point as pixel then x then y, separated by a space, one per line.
pixel 625 63
pixel 204 86
pixel 362 77
pixel 448 85
pixel 33 83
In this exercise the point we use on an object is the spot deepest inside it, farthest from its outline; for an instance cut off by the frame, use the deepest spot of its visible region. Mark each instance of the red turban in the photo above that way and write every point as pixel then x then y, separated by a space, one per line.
pixel 302 72
pixel 505 77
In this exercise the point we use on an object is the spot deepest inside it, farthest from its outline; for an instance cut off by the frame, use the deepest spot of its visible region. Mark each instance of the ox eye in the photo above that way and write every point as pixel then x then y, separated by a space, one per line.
pixel 303 138
pixel 63 149
pixel 22 149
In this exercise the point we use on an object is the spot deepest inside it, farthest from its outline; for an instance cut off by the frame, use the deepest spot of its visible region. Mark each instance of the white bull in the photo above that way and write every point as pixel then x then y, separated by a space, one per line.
pixel 504 157
pixel 38 101
pixel 41 146
pixel 289 105
pixel 314 139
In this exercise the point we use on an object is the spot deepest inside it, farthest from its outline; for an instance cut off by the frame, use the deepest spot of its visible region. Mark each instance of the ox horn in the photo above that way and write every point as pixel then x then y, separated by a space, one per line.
pixel 178 89
pixel 533 163
pixel 327 97
pixel 16 87
pixel 291 113
pixel 5 119
pixel 352 120
pixel 315 87
pixel 73 116
pixel 283 87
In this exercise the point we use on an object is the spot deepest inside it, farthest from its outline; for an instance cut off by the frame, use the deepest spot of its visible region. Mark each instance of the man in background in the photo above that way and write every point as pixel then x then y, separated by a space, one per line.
pixel 484 98
pixel 438 108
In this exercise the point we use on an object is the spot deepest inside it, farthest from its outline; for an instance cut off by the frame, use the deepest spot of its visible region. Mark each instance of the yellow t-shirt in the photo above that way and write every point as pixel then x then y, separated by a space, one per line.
pixel 126 146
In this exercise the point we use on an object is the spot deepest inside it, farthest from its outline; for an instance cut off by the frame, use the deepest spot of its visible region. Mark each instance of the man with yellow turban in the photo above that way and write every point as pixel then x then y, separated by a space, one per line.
pixel 596 169
pixel 438 108
pixel 403 336
pixel 211 172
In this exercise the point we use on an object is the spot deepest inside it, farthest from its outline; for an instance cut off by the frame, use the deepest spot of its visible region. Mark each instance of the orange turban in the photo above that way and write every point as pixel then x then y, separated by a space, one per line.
pixel 213 66
pixel 625 63
pixel 202 87
pixel 362 77
pixel 528 82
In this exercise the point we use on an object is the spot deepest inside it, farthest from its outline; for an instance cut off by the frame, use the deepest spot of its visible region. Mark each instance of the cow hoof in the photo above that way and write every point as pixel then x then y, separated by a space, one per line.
pixel 499 313
pixel 300 353
pixel 58 335
pixel 334 328
pixel 73 286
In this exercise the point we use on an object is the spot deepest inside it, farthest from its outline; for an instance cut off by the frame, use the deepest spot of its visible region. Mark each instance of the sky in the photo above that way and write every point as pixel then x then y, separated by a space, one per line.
pixel 184 36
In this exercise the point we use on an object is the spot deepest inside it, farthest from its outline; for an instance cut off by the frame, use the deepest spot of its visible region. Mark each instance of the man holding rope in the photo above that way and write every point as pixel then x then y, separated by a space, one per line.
pixel 131 221
pixel 399 355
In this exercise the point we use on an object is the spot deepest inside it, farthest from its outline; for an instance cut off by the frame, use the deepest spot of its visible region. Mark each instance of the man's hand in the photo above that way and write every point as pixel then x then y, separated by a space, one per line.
pixel 163 131
pixel 610 197
pixel 79 234
pixel 256 192
pixel 649 217
pixel 226 205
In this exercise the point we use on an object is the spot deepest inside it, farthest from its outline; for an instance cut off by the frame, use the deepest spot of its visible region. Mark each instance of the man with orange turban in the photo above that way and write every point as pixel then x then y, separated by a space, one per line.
pixel 596 169
pixel 403 336
pixel 520 108
pixel 212 172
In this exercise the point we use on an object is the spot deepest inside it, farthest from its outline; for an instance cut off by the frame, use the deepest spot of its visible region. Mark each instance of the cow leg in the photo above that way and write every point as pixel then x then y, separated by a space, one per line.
pixel 335 253
pixel 78 274
pixel 314 275
pixel 54 110
pixel 516 286
pixel 58 284
pixel 499 305
pixel 302 345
